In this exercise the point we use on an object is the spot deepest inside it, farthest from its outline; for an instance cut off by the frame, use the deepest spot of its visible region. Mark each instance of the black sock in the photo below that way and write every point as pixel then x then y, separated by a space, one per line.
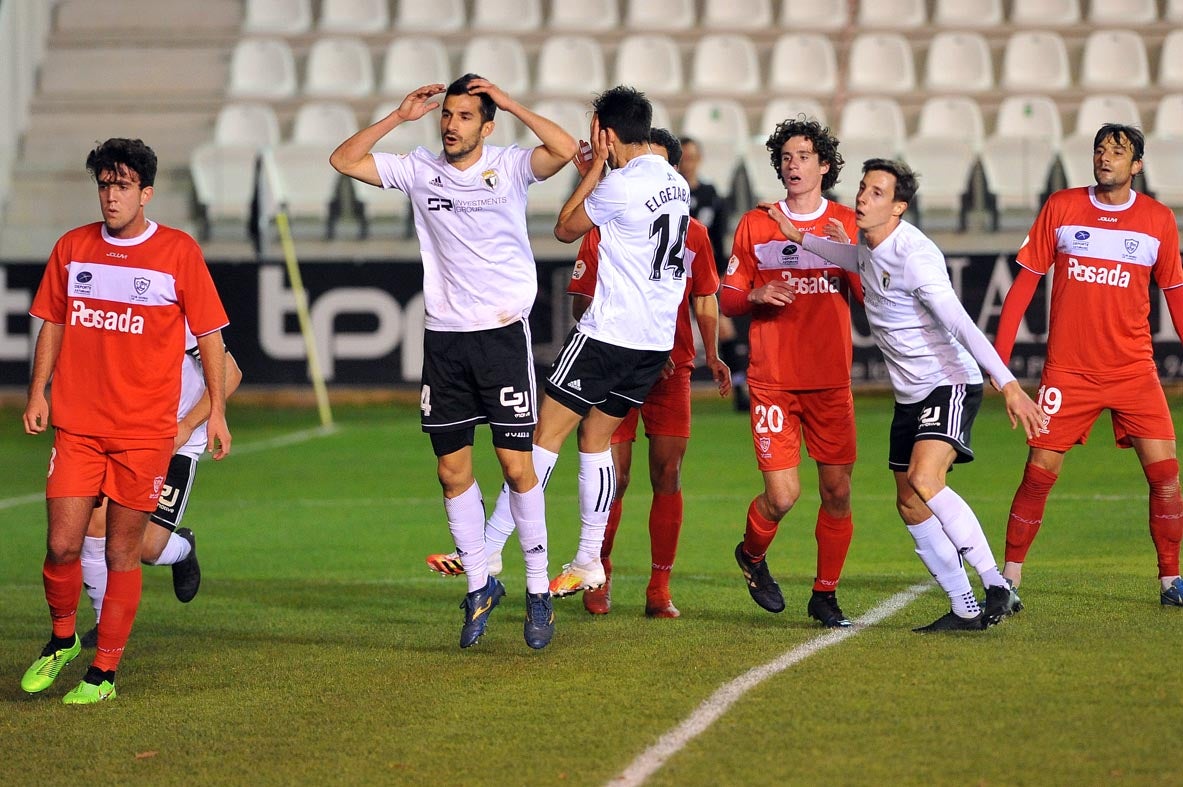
pixel 60 643
pixel 95 676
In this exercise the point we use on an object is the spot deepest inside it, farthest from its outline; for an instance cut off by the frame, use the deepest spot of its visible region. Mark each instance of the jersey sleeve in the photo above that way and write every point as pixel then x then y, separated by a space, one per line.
pixel 704 276
pixel 395 171
pixel 587 262
pixel 197 294
pixel 1168 272
pixel 741 268
pixel 519 163
pixel 1038 251
pixel 608 199
pixel 50 302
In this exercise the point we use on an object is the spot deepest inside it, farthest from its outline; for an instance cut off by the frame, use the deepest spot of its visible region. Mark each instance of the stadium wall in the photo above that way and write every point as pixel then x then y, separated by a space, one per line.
pixel 368 320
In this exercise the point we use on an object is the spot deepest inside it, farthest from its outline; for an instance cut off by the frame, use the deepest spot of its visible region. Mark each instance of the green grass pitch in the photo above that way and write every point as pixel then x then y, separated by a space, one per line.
pixel 322 650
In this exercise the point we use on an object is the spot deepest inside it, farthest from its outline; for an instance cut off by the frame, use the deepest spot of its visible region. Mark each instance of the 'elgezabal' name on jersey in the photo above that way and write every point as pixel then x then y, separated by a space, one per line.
pixel 668 194
pixel 123 322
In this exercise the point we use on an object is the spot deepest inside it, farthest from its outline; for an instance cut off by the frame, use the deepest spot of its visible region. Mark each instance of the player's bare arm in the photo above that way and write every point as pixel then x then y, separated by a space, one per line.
pixel 706 314
pixel 1021 409
pixel 213 367
pixel 573 221
pixel 352 157
pixel 557 148
pixel 200 412
pixel 45 356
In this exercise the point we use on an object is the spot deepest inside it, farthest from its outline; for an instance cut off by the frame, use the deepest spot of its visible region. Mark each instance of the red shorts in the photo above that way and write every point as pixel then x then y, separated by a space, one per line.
pixel 825 416
pixel 1073 401
pixel 129 471
pixel 666 410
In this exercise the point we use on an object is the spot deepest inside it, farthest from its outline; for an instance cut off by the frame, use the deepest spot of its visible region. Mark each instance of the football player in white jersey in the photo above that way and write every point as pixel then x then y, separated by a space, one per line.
pixel 169 544
pixel 479 283
pixel 932 349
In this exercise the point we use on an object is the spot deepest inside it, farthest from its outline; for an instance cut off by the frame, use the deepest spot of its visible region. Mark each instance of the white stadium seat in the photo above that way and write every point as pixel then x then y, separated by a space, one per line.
pixel 943 152
pixel 1170 62
pixel 354 16
pixel 339 67
pixel 507 16
pixel 584 16
pixel 1168 116
pixel 1016 158
pixel 1035 60
pixel 1123 12
pixel 1076 151
pixel 570 65
pixel 814 14
pixel 958 14
pixel 412 62
pixel 789 108
pixel 574 117
pixel 899 14
pixel 301 178
pixel 959 62
pixel 246 123
pixel 430 16
pixel 720 126
pixel 1113 60
pixel 223 170
pixel 881 63
pixel 1044 12
pixel 869 127
pixel 262 68
pixel 724 64
pixel 746 15
pixel 499 58
pixel 650 62
pixel 283 17
pixel 803 64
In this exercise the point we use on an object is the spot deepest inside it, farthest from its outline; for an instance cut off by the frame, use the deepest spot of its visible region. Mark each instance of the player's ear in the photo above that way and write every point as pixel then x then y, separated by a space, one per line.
pixel 487 129
pixel 1136 168
pixel 146 195
pixel 898 208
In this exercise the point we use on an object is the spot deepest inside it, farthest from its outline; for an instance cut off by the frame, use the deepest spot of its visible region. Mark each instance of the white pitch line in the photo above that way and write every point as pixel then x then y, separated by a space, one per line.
pixel 653 758
pixel 13 502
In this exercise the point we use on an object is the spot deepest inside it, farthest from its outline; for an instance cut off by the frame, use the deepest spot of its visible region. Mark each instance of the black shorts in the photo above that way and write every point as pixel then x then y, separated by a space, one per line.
pixel 479 377
pixel 589 373
pixel 174 495
pixel 946 414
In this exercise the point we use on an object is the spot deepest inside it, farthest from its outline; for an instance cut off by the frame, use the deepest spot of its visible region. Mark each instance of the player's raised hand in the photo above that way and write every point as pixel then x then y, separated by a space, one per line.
pixel 782 221
pixel 836 231
pixel 599 142
pixel 418 102
pixel 583 157
pixel 1022 410
pixel 499 96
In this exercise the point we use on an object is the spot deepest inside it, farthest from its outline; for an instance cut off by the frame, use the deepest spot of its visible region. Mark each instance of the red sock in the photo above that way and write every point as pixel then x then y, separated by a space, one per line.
pixel 119 612
pixel 1026 511
pixel 833 542
pixel 665 524
pixel 614 515
pixel 63 586
pixel 758 534
pixel 1166 514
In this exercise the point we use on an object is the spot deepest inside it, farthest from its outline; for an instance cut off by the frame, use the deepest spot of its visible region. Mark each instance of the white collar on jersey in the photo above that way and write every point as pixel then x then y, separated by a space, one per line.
pixel 1102 206
pixel 136 241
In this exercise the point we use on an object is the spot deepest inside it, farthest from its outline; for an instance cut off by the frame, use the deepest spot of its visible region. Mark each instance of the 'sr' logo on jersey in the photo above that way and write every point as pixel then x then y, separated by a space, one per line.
pixel 439 203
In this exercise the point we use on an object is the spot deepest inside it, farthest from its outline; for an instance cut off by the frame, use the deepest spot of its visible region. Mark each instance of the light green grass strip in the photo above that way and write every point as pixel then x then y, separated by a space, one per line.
pixel 714 706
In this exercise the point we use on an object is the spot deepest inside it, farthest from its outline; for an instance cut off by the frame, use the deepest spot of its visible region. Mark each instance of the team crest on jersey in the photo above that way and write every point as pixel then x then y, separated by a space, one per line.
pixel 1131 246
pixel 764 444
pixel 490 178
pixel 580 269
pixel 141 284
pixel 886 280
pixel 732 265
pixel 157 485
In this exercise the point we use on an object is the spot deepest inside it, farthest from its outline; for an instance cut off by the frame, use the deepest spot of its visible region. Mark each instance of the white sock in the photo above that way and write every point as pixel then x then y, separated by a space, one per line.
pixel 94 571
pixel 940 557
pixel 466 521
pixel 501 523
pixel 1166 582
pixel 597 487
pixel 175 550
pixel 529 511
pixel 963 529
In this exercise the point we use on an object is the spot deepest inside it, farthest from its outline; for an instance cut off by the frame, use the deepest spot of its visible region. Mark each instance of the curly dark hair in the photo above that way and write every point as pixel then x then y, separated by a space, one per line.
pixel 825 144
pixel 673 147
pixel 118 155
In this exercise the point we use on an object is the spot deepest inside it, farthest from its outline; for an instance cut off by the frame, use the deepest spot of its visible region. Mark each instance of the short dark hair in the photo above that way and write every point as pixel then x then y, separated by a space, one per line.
pixel 825 144
pixel 673 148
pixel 626 111
pixel 118 154
pixel 1115 131
pixel 905 178
pixel 460 88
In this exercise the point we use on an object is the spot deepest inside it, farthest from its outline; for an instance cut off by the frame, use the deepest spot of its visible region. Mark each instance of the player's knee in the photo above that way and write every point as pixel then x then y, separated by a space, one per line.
pixel 1163 478
pixel 923 482
pixel 666 478
pixel 781 502
pixel 62 550
pixel 836 496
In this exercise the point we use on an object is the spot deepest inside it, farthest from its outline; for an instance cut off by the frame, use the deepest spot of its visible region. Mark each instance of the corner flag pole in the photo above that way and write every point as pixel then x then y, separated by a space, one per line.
pixel 289 256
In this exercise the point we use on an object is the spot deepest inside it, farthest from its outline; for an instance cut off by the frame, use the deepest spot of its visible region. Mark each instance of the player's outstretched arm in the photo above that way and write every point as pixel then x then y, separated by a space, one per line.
pixel 213 367
pixel 45 356
pixel 352 157
pixel 842 254
pixel 557 148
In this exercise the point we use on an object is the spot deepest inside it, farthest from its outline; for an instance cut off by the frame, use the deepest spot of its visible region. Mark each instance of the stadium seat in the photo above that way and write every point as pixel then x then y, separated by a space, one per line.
pixel 803 64
pixel 513 16
pixel 650 62
pixel 1164 170
pixel 1173 11
pixel 763 181
pixel 1076 153
pixel 224 169
pixel 262 68
pixel 584 16
pixel 414 61
pixel 943 152
pixel 746 15
pixel 957 14
pixel 959 62
pixel 339 67
pixel 500 59
pixel 661 116
pixel 881 63
pixel 354 16
pixel 1123 12
pixel 1114 59
pixel 1018 156
pixel 1044 12
pixel 544 200
pixel 508 130
pixel 430 16
pixel 869 127
pixel 391 204
pixel 282 17
pixel 720 126
pixel 787 108
pixel 1168 116
pixel 662 15
pixel 1170 63
pixel 1035 60
pixel 896 14
pixel 299 176
pixel 574 117
pixel 570 65
pixel 814 14
pixel 724 64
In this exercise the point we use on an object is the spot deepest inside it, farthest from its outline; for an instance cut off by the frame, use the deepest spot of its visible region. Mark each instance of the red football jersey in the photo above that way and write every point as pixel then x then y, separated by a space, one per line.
pixel 124 304
pixel 1102 258
pixel 702 278
pixel 807 344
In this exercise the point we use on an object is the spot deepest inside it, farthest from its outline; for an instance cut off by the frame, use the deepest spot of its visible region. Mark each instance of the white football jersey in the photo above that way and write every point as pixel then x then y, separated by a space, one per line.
pixel 643 212
pixel 192 390
pixel 478 267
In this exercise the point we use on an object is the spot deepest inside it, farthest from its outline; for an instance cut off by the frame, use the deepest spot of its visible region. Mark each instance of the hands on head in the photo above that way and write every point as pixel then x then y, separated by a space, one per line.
pixel 418 102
